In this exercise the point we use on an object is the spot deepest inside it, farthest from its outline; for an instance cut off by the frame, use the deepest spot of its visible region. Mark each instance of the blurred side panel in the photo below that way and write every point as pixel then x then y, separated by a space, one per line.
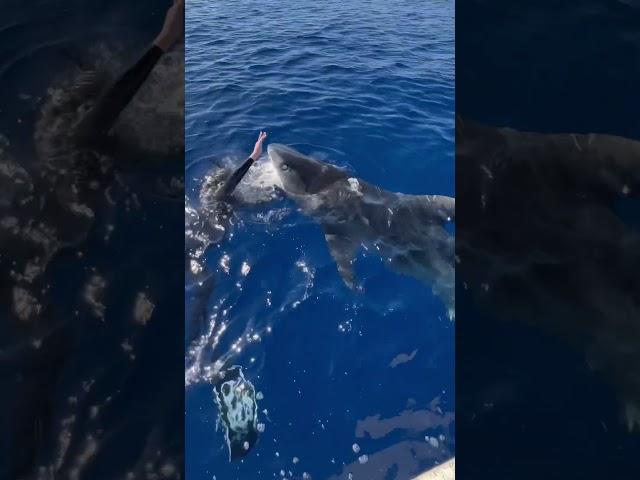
pixel 548 244
pixel 91 222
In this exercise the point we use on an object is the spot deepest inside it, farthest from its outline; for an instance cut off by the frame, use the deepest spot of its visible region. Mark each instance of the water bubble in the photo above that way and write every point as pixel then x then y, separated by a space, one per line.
pixel 433 441
pixel 363 459
pixel 356 448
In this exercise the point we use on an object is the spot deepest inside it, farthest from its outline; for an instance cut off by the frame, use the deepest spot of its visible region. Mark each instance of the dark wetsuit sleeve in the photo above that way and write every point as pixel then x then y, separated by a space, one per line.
pixel 106 111
pixel 235 178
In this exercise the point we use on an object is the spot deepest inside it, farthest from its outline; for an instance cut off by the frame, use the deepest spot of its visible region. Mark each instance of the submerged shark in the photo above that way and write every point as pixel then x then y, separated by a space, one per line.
pixel 407 231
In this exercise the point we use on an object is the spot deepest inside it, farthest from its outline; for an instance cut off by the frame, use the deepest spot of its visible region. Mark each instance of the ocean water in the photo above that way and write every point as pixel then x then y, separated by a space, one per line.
pixel 350 385
pixel 88 331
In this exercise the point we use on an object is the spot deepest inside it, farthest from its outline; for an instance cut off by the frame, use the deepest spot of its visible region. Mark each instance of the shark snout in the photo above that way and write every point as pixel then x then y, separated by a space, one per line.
pixel 289 166
pixel 278 147
pixel 276 151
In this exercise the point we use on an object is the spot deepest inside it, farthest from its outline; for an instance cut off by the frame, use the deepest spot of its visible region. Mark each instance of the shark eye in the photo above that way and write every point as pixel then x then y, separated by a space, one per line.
pixel 284 167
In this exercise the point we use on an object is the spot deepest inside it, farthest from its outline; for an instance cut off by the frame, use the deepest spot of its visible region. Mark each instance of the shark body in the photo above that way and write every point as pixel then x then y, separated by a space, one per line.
pixel 407 231
pixel 550 238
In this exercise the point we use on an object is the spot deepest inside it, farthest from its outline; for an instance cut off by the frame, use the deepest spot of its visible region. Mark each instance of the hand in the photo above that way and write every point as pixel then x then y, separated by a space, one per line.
pixel 173 28
pixel 257 149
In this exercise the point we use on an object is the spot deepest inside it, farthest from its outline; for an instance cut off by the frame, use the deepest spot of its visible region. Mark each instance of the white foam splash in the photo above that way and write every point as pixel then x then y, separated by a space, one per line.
pixel 143 309
pixel 94 293
pixel 258 186
pixel 245 269
pixel 354 186
pixel 25 305
pixel 225 263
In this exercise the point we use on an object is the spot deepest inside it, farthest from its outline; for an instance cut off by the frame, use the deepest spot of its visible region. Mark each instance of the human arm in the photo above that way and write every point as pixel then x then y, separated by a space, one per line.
pixel 236 176
pixel 104 114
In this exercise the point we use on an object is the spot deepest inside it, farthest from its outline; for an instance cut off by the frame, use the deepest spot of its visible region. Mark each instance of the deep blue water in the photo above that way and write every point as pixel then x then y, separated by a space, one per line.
pixel 369 86
pixel 88 391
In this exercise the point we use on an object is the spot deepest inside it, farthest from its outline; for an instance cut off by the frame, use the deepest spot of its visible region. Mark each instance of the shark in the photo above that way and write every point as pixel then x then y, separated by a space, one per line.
pixel 408 232
pixel 550 239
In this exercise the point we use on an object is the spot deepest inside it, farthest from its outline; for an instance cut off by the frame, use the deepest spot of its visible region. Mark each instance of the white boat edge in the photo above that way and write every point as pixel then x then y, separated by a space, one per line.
pixel 444 471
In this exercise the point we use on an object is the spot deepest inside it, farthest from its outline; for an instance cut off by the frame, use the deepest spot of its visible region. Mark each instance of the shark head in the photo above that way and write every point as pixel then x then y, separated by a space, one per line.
pixel 300 174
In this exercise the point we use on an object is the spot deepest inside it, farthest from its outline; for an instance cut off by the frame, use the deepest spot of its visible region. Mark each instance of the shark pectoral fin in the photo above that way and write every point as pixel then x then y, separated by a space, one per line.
pixel 343 250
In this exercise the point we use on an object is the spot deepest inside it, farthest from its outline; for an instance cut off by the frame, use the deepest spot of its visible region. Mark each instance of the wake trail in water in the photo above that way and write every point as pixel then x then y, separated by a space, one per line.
pixel 208 221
